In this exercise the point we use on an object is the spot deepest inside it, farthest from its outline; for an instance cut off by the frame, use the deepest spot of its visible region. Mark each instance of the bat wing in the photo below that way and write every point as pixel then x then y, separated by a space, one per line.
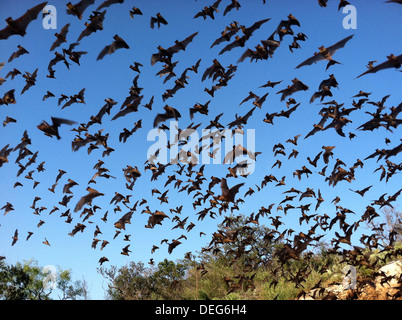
pixel 230 7
pixel 246 54
pixel 316 57
pixel 58 41
pixel 162 20
pixel 83 5
pixel 152 22
pixel 160 117
pixel 234 190
pixel 106 50
pixel 257 25
pixel 229 157
pixel 17 53
pixel 80 204
pixel 225 37
pixel 29 16
pixel 58 121
pixel 224 187
pixel 35 73
pixel 108 3
pixel 6 32
pixel 129 108
pixel 189 39
pixel 230 46
pixel 248 114
pixel 26 87
pixel 332 49
pixel 183 44
pixel 216 4
pixel 207 72
pixel 382 66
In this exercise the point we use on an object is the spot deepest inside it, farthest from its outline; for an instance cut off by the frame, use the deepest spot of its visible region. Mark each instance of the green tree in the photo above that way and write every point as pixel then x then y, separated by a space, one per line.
pixel 137 282
pixel 130 282
pixel 168 278
pixel 28 281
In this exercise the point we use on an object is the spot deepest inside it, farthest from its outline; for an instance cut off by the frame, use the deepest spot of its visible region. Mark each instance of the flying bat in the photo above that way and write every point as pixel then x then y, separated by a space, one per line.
pixel 19 26
pixel 118 43
pixel 392 62
pixel 61 37
pixel 170 113
pixel 325 53
pixel 228 194
pixel 296 86
pixel 78 8
pixel 164 54
pixel 87 199
pixel 108 3
pixel 21 50
pixel 53 129
pixel 159 20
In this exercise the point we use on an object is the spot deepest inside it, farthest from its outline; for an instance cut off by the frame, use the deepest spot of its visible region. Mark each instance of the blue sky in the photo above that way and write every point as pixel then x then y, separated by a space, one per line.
pixel 379 29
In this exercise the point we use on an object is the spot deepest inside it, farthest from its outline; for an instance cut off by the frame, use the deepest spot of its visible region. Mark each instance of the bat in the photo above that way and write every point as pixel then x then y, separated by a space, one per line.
pixel 392 62
pixel 118 43
pixel 228 195
pixel 19 26
pixel 78 8
pixel 108 3
pixel 53 129
pixel 21 50
pixel 325 53
pixel 61 37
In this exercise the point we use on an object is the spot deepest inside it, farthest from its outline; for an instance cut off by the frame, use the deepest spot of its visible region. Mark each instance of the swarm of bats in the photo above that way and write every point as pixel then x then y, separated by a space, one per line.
pixel 211 196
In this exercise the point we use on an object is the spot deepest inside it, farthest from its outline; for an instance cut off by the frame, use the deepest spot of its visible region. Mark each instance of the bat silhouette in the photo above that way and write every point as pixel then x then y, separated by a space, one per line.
pixel 296 86
pixel 228 194
pixel 234 5
pixel 87 199
pixel 19 26
pixel 108 3
pixel 227 34
pixel 118 43
pixel 135 11
pixel 241 120
pixel 170 113
pixel 53 129
pixel 30 80
pixel 325 53
pixel 166 54
pixel 392 62
pixel 21 50
pixel 158 20
pixel 61 37
pixel 78 8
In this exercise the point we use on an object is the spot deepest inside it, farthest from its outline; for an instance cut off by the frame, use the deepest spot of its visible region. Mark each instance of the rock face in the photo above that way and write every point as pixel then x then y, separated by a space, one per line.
pixel 387 285
pixel 393 269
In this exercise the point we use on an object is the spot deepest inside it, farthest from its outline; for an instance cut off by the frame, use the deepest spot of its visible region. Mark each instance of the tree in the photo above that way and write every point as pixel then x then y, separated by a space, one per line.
pixel 389 229
pixel 137 282
pixel 130 282
pixel 241 237
pixel 27 281
pixel 168 277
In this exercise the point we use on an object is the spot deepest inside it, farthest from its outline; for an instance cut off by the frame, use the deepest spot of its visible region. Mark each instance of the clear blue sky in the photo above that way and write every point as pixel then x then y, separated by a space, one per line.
pixel 378 33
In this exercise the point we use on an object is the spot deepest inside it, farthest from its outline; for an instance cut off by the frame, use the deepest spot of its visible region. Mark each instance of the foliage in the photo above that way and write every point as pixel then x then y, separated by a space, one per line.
pixel 25 281
pixel 227 269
